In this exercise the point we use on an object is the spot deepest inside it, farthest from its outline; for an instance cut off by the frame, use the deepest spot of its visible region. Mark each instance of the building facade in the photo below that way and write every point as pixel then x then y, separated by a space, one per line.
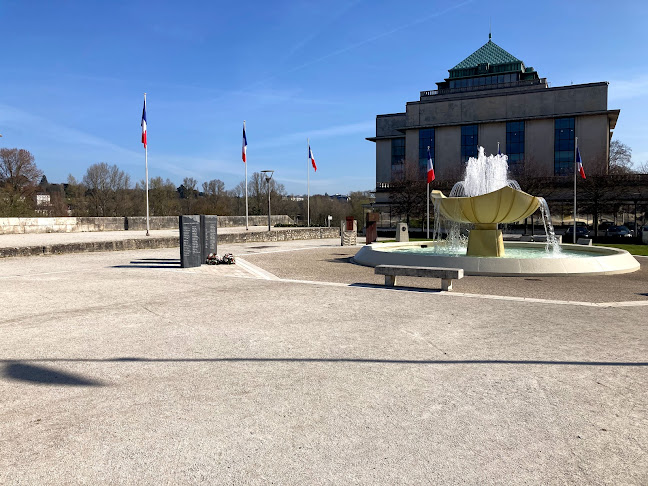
pixel 491 99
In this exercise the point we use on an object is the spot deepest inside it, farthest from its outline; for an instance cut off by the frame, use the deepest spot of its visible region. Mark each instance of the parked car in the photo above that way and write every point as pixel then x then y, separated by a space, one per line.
pixel 603 226
pixel 618 232
pixel 633 227
pixel 581 232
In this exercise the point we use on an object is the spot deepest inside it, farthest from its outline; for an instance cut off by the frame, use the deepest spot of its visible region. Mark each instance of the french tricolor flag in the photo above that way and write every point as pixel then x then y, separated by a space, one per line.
pixel 430 167
pixel 244 149
pixel 580 163
pixel 144 123
pixel 311 158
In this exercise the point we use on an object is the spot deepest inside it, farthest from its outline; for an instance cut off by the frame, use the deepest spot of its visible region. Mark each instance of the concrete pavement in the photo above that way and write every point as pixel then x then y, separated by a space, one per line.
pixel 121 368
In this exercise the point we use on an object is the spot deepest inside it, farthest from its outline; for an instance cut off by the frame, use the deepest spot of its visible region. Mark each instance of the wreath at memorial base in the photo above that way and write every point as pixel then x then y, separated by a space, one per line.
pixel 227 259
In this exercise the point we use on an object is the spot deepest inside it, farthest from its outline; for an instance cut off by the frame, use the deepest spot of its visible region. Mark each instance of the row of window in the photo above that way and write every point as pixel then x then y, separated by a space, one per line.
pixel 484 80
pixel 563 147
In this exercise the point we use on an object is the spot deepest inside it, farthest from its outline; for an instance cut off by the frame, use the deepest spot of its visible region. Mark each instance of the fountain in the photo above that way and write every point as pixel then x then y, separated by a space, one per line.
pixel 485 199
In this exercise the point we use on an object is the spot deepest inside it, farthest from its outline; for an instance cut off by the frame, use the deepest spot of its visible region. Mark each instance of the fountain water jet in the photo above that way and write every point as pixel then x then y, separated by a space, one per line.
pixel 486 197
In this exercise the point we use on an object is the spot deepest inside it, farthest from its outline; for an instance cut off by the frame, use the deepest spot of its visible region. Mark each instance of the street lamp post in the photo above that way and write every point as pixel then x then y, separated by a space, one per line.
pixel 268 176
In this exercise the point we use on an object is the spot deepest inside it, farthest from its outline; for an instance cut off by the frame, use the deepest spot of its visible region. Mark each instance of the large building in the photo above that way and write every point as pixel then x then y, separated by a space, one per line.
pixel 492 98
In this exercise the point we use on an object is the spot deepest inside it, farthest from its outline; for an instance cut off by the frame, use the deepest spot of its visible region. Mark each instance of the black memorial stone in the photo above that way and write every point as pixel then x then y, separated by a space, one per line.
pixel 190 244
pixel 209 231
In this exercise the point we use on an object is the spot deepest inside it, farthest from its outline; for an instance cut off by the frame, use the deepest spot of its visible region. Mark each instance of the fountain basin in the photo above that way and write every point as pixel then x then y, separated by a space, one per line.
pixel 593 260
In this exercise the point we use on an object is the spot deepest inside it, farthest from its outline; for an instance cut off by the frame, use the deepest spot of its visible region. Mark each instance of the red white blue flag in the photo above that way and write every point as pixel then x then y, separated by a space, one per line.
pixel 144 123
pixel 311 158
pixel 430 168
pixel 244 150
pixel 580 163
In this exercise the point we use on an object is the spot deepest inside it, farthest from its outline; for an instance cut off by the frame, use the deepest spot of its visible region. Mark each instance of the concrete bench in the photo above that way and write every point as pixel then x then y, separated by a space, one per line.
pixel 445 274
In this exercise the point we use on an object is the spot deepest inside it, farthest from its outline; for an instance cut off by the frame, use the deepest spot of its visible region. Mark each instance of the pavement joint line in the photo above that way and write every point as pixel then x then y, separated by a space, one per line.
pixel 287 250
pixel 627 303
pixel 509 298
pixel 254 270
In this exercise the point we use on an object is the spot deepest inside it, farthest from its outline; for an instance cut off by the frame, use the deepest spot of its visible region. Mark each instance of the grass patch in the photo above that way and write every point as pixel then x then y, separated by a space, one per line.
pixel 641 250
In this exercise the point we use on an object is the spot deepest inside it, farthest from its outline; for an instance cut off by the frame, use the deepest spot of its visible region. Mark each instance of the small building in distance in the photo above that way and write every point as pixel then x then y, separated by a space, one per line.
pixel 492 98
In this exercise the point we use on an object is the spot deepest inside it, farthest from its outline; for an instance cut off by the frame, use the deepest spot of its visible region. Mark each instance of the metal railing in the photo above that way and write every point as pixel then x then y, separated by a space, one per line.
pixel 467 89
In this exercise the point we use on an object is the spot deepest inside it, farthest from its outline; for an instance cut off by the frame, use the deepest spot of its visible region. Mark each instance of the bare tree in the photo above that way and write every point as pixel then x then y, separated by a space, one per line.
pixel 188 194
pixel 19 177
pixel 214 193
pixel 643 168
pixel 106 186
pixel 408 195
pixel 163 197
pixel 620 158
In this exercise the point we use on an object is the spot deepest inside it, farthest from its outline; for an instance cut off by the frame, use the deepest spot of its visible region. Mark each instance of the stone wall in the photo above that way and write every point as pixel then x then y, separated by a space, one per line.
pixel 133 223
pixel 279 234
pixel 59 225
pixel 226 221
pixel 138 223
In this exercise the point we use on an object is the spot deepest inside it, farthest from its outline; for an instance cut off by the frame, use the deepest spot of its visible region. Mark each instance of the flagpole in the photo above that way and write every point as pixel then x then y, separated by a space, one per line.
pixel 308 184
pixel 575 169
pixel 246 186
pixel 147 177
pixel 428 210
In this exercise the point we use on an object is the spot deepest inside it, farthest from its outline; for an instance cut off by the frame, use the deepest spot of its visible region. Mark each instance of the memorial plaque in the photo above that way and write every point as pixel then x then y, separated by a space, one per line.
pixel 209 231
pixel 190 244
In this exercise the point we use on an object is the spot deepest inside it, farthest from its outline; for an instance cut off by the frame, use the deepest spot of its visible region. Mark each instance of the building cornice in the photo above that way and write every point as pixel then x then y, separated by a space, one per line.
pixel 489 93
pixel 612 114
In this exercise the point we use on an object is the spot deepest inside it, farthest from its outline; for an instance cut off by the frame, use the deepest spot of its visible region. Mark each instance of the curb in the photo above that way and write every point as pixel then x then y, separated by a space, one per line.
pixel 119 245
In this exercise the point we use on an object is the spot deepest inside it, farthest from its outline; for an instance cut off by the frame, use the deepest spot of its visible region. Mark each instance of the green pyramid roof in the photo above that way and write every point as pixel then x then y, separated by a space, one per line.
pixel 489 53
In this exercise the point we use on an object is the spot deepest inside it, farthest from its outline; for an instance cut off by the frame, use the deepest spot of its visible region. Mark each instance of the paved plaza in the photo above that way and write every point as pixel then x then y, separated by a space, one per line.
pixel 295 366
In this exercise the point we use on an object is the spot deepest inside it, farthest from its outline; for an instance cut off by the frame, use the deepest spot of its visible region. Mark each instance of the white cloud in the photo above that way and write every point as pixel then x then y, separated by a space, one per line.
pixel 19 119
pixel 624 89
pixel 322 133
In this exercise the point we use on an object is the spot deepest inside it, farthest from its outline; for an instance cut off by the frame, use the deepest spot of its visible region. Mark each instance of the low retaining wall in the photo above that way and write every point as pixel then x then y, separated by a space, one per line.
pixel 170 242
pixel 10 226
pixel 280 235
pixel 226 221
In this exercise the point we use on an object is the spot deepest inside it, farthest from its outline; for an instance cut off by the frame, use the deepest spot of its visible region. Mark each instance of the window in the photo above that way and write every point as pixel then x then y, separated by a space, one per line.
pixel 515 146
pixel 469 142
pixel 563 146
pixel 426 139
pixel 397 158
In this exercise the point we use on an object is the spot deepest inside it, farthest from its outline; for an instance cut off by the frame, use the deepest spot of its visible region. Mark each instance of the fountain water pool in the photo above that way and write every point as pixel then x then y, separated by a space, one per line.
pixel 479 198
pixel 522 259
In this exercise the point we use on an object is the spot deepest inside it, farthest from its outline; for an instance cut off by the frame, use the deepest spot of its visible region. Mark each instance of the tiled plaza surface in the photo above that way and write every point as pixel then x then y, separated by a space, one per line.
pixel 295 366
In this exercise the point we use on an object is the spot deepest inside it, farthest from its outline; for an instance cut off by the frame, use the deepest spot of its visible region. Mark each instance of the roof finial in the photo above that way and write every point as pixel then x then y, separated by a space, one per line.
pixel 489 29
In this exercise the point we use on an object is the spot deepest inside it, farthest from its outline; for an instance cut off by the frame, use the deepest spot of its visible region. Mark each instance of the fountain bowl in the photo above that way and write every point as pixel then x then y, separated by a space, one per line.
pixel 596 260
pixel 504 205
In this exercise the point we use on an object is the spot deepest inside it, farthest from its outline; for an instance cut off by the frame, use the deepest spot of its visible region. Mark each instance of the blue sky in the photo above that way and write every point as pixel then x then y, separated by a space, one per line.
pixel 74 74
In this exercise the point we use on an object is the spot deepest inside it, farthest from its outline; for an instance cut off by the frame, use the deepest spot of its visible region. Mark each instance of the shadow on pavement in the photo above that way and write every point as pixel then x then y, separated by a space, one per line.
pixel 146 266
pixel 161 262
pixel 152 263
pixel 10 363
pixel 339 260
pixel 161 259
pixel 395 287
pixel 39 374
